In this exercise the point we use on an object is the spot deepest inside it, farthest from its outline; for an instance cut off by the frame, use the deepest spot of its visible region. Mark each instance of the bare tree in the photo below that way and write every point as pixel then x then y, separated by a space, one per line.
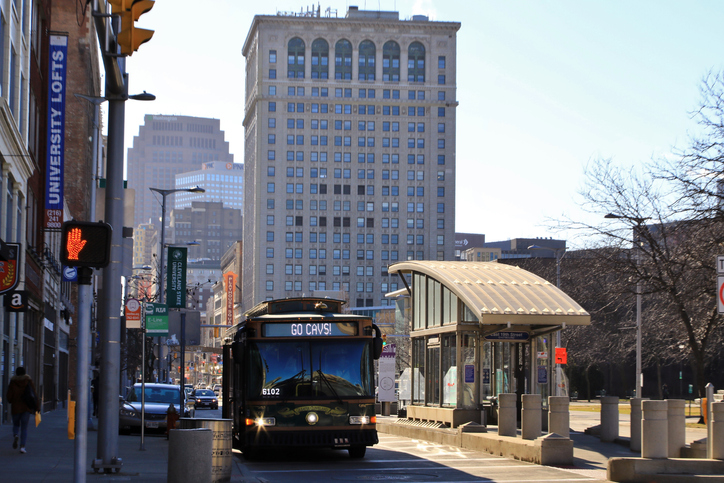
pixel 653 242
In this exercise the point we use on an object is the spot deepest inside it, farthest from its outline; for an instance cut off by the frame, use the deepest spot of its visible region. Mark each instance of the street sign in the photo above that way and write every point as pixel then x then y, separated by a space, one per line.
pixel 176 277
pixel 508 336
pixel 720 293
pixel 720 264
pixel 133 314
pixel 156 320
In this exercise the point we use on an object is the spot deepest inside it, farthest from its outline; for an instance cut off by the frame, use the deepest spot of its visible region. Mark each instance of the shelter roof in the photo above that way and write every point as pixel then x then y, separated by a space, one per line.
pixel 500 294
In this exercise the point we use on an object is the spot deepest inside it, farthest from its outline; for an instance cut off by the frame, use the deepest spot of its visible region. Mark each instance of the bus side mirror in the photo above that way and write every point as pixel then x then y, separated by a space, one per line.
pixel 377 346
pixel 377 343
pixel 237 351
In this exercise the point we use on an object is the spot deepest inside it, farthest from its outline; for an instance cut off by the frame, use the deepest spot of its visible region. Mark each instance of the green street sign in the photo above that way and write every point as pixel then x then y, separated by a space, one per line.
pixel 176 278
pixel 156 320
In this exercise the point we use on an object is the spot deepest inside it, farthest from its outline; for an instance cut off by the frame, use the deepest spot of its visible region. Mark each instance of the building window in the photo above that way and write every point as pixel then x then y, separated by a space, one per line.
pixel 391 61
pixel 320 60
pixel 416 62
pixel 295 67
pixel 343 60
pixel 272 56
pixel 366 60
pixel 441 62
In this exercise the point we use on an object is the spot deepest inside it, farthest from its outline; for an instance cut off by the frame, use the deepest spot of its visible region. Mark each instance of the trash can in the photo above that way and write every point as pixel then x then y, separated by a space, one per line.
pixel 221 447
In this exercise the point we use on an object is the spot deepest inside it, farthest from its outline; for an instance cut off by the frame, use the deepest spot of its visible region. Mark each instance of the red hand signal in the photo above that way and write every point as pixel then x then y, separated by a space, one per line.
pixel 75 243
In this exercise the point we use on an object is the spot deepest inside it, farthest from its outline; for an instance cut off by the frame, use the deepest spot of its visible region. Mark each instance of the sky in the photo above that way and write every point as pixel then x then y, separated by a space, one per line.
pixel 544 87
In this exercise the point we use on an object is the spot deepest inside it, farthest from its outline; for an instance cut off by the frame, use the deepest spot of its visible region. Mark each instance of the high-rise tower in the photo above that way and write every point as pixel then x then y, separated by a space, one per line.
pixel 350 152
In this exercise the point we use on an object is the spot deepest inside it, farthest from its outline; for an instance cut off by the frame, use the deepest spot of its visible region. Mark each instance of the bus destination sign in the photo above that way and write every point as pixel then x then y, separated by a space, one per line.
pixel 310 329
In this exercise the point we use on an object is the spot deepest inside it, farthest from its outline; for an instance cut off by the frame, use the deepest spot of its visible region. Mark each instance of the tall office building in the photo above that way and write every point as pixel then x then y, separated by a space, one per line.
pixel 165 147
pixel 223 182
pixel 350 152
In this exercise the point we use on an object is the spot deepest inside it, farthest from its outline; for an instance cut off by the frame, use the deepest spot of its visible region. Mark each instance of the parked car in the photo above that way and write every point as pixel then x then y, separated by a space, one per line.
pixel 217 390
pixel 157 400
pixel 188 388
pixel 204 398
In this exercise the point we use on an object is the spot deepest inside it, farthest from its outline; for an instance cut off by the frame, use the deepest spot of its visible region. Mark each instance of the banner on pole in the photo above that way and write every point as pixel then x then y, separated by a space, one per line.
pixel 176 278
pixel 55 158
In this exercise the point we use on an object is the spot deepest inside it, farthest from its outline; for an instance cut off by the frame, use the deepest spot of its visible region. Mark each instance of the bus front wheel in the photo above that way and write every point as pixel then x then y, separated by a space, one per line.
pixel 357 451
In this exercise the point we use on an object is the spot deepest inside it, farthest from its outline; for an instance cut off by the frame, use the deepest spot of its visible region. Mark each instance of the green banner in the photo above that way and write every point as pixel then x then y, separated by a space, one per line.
pixel 176 278
pixel 156 320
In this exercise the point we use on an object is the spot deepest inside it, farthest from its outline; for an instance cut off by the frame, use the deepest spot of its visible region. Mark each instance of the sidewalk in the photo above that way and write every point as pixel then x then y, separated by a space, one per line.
pixel 51 455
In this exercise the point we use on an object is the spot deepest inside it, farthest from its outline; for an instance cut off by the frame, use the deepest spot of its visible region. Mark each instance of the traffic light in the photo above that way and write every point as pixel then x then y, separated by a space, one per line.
pixel 86 244
pixel 130 37
pixel 384 340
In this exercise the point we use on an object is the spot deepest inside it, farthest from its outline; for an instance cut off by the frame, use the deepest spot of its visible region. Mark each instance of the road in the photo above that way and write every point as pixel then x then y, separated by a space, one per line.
pixel 402 459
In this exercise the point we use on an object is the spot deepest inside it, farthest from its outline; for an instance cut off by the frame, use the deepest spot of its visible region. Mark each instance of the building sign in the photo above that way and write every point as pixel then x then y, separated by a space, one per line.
pixel 156 320
pixel 9 276
pixel 176 277
pixel 17 301
pixel 55 157
pixel 230 286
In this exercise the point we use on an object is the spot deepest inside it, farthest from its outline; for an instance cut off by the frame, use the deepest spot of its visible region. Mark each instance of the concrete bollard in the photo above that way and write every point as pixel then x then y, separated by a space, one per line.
pixel 189 455
pixel 676 416
pixel 609 418
pixel 654 429
pixel 507 415
pixel 531 415
pixel 558 416
pixel 717 430
pixel 636 424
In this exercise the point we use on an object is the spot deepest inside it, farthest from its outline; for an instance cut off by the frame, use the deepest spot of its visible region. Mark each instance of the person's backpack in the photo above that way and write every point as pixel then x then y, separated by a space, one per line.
pixel 29 399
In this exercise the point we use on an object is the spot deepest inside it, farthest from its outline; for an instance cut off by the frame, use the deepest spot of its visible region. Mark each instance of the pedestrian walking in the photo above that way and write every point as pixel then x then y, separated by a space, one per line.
pixel 22 396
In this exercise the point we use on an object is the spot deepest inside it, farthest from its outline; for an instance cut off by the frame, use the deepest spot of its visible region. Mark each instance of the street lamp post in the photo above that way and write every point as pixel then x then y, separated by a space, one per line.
pixel 164 194
pixel 639 223
pixel 560 253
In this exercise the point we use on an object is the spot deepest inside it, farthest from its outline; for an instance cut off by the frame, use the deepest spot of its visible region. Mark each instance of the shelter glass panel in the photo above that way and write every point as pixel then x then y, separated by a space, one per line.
pixel 432 375
pixel 467 351
pixel 450 306
pixel 449 370
pixel 418 365
pixel 419 294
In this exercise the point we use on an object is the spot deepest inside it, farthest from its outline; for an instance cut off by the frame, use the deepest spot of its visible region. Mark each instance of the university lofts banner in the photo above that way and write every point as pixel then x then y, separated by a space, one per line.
pixel 56 132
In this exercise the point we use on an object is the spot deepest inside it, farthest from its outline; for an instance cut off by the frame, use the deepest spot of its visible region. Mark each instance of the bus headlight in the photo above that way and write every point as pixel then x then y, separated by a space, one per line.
pixel 266 422
pixel 312 418
pixel 359 420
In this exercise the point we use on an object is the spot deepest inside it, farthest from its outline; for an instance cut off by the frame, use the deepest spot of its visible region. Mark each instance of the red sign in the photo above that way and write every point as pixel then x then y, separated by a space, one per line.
pixel 230 281
pixel 133 313
pixel 561 355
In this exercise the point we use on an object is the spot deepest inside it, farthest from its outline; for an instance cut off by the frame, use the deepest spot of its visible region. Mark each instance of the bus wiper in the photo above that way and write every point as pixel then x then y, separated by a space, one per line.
pixel 329 385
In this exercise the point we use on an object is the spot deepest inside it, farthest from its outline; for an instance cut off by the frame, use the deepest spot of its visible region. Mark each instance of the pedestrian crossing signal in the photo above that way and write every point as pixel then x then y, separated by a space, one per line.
pixel 86 244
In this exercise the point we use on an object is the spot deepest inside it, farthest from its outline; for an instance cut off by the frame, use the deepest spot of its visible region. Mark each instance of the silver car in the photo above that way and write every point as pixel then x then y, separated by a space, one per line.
pixel 157 401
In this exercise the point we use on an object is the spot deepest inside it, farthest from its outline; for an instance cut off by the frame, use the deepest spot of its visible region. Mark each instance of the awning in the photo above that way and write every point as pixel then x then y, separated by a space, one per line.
pixel 502 295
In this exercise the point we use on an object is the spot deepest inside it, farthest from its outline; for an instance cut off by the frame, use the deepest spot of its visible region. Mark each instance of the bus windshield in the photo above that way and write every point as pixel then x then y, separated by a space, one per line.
pixel 310 368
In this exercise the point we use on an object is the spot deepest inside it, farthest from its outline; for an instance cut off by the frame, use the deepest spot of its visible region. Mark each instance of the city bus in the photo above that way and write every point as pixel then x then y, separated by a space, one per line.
pixel 299 372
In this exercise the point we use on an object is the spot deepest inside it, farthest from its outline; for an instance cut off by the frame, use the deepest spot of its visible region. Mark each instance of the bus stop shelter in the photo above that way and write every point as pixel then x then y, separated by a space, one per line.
pixel 479 329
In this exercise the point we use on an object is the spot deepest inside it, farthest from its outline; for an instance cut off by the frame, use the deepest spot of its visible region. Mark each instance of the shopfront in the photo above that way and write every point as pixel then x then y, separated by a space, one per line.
pixel 479 329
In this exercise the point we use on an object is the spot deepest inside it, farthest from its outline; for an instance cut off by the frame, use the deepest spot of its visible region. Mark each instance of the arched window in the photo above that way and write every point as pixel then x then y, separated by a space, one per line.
pixel 295 62
pixel 366 60
pixel 391 61
pixel 416 62
pixel 320 59
pixel 343 60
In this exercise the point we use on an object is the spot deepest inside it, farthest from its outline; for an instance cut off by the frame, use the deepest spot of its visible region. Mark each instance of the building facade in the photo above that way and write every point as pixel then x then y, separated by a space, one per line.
pixel 223 182
pixel 165 147
pixel 349 154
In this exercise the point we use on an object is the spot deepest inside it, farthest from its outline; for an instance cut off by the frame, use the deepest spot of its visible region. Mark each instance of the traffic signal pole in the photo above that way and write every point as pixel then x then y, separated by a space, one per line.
pixel 85 299
pixel 110 323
